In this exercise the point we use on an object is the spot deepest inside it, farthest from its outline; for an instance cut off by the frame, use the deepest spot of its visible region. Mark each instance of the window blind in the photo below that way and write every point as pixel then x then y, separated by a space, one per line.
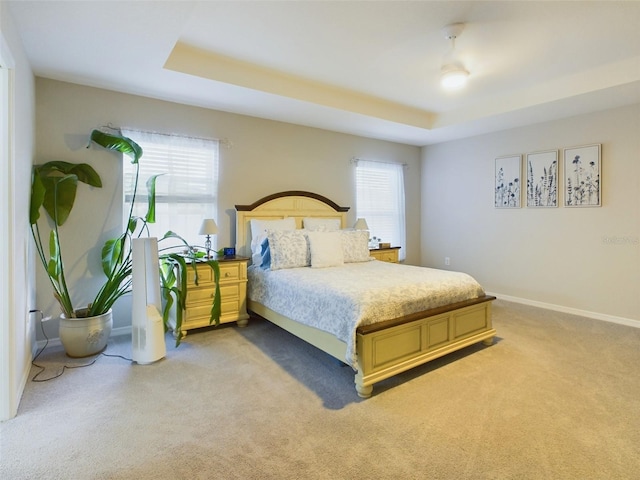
pixel 380 201
pixel 186 191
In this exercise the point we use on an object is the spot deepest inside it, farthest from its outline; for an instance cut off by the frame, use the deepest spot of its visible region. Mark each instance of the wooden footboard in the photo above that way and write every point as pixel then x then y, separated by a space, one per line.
pixel 388 348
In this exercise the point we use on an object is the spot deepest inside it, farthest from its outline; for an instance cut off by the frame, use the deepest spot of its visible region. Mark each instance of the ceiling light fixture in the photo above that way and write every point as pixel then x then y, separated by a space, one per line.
pixel 453 74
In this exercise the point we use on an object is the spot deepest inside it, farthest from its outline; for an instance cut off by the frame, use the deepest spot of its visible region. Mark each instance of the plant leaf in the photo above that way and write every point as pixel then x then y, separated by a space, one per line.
pixel 54 186
pixel 216 307
pixel 111 255
pixel 133 223
pixel 84 171
pixel 59 197
pixel 168 274
pixel 86 174
pixel 118 143
pixel 151 197
pixel 37 198
pixel 54 266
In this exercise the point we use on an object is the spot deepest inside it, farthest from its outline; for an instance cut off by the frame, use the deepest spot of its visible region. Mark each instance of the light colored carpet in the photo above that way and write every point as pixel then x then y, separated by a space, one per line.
pixel 556 397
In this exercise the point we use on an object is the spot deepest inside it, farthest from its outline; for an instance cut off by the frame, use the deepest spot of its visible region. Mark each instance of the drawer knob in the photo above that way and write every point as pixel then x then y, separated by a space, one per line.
pixel 227 274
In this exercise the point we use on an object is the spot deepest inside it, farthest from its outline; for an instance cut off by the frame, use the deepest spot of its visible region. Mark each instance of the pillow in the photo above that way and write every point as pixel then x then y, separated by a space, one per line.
pixel 288 249
pixel 355 246
pixel 321 224
pixel 259 229
pixel 326 249
pixel 265 255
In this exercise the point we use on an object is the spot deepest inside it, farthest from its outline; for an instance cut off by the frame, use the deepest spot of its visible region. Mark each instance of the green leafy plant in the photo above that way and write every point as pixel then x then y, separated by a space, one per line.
pixel 54 187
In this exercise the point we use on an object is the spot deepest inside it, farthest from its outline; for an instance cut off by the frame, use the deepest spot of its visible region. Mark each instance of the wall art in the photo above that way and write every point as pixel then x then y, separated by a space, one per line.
pixel 508 174
pixel 542 179
pixel 582 186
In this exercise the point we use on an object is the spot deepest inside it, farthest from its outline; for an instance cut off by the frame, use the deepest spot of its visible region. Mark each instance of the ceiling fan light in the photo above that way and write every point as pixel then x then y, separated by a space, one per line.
pixel 453 77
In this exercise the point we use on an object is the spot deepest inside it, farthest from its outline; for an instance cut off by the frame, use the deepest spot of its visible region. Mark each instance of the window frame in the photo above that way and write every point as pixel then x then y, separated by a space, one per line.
pixel 186 190
pixel 382 192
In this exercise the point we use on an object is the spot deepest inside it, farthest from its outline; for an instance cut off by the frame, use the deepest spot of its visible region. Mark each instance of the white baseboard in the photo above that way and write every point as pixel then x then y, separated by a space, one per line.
pixel 534 303
pixel 55 342
pixel 574 311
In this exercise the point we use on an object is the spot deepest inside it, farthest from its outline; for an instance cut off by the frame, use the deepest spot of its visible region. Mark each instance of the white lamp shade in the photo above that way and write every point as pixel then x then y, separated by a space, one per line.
pixel 361 224
pixel 208 227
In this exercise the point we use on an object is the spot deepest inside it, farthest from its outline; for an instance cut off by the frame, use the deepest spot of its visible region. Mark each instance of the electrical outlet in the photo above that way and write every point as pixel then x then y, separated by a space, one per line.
pixel 447 261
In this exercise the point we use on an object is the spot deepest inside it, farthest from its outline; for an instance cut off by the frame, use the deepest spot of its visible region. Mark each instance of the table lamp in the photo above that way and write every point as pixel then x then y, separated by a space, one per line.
pixel 361 224
pixel 208 228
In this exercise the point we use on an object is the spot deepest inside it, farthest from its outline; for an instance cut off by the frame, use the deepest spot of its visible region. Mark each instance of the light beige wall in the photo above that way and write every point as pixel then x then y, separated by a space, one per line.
pixel 17 350
pixel 265 157
pixel 581 258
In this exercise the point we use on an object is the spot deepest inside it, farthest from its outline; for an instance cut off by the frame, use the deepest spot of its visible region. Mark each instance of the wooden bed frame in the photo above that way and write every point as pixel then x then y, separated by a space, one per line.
pixel 384 349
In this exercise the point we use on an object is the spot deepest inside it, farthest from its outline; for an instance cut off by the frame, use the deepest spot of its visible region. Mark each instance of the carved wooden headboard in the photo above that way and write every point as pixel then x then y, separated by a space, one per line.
pixel 297 204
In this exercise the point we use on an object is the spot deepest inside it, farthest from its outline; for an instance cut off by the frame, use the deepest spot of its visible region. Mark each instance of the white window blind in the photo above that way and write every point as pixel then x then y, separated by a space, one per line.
pixel 186 193
pixel 380 201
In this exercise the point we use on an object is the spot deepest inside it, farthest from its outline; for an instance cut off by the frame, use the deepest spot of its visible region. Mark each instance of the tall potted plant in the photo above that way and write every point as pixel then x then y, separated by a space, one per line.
pixel 84 331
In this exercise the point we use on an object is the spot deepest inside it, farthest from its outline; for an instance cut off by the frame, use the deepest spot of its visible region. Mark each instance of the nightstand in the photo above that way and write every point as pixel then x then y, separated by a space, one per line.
pixel 233 294
pixel 389 254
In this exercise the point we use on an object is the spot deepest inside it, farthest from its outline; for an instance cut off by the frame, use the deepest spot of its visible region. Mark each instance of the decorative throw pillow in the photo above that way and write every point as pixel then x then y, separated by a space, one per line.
pixel 288 249
pixel 265 252
pixel 355 246
pixel 259 230
pixel 326 249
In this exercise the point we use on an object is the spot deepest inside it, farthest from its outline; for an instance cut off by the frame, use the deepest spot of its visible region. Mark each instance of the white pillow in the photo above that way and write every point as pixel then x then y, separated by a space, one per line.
pixel 355 246
pixel 288 249
pixel 259 229
pixel 321 224
pixel 326 249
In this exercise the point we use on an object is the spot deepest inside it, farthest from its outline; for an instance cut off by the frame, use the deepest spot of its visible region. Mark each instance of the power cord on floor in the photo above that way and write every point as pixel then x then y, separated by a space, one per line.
pixel 64 367
pixel 116 356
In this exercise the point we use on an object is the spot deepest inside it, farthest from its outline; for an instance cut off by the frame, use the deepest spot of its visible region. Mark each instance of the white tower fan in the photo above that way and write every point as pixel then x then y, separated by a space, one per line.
pixel 147 328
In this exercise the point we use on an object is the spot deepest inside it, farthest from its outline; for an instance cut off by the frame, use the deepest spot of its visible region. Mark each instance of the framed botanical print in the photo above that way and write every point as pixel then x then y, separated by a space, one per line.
pixel 542 179
pixel 508 173
pixel 582 184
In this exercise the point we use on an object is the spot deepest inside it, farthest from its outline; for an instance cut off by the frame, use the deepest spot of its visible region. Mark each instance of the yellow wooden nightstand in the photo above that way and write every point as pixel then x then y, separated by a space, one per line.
pixel 233 294
pixel 389 254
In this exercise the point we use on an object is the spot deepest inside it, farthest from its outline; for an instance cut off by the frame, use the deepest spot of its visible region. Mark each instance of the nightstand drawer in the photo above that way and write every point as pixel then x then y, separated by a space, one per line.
pixel 229 308
pixel 205 276
pixel 230 272
pixel 385 254
pixel 197 295
pixel 203 311
pixel 388 257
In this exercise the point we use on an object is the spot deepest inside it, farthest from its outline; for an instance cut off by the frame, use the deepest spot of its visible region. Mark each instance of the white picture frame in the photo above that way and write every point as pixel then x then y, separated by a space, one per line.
pixel 542 179
pixel 582 174
pixel 508 181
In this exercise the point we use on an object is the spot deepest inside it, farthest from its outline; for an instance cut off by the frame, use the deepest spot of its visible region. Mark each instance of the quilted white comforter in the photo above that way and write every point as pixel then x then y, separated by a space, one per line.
pixel 340 299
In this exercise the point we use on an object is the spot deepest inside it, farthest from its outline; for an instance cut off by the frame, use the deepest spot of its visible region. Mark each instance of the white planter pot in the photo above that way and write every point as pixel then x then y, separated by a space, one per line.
pixel 82 337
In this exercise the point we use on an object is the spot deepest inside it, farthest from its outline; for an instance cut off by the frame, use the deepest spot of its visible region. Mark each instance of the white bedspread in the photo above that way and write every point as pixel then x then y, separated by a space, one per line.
pixel 339 299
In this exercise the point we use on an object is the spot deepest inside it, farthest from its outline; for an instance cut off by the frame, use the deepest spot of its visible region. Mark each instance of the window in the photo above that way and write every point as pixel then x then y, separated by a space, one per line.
pixel 380 200
pixel 186 193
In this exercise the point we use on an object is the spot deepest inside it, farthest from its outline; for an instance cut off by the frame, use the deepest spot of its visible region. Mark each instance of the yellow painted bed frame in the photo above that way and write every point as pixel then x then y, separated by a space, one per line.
pixel 384 349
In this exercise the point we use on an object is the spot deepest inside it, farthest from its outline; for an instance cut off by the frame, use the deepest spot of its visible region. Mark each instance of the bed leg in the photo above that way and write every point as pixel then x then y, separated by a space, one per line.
pixel 488 341
pixel 364 391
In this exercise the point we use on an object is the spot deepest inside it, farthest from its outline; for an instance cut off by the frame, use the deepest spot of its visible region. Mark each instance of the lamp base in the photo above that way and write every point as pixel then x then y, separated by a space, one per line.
pixel 207 246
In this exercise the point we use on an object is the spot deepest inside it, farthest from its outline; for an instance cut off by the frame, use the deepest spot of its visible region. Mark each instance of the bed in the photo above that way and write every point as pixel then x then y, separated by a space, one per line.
pixel 384 334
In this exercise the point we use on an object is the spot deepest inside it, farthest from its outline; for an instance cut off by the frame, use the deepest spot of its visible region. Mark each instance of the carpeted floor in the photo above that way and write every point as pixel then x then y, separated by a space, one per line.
pixel 556 397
